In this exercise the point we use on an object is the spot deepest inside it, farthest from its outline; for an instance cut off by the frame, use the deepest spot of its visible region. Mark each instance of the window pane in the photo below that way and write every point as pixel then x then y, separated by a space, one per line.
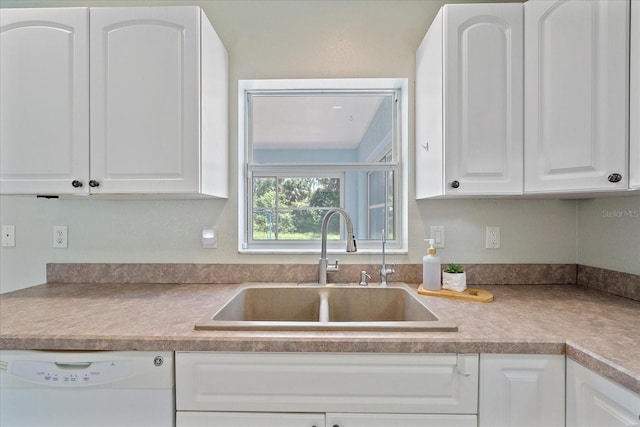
pixel 264 192
pixel 376 222
pixel 347 127
pixel 377 191
pixel 295 208
pixel 264 226
pixel 306 192
pixel 306 224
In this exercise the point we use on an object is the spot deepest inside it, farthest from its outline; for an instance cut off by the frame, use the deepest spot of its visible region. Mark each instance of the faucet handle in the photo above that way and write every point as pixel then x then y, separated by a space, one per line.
pixel 333 267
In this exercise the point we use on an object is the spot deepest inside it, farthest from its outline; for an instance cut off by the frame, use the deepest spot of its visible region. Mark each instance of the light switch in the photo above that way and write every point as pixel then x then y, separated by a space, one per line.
pixel 437 234
pixel 209 237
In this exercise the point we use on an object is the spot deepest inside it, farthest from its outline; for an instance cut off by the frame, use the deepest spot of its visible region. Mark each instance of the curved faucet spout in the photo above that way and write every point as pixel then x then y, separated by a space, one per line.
pixel 351 243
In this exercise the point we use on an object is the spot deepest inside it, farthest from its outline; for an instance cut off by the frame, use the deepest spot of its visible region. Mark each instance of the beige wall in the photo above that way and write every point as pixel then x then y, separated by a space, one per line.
pixel 291 39
pixel 609 233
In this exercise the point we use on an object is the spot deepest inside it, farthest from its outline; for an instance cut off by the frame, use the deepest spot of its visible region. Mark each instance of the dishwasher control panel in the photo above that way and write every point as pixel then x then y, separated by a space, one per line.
pixel 72 373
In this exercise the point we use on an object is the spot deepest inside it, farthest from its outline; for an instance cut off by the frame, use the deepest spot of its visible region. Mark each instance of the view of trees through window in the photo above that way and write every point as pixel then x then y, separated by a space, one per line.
pixel 292 208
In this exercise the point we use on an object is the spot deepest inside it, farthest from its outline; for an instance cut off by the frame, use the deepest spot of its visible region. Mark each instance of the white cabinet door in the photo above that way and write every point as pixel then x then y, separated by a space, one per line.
pixel 400 420
pixel 469 107
pixel 240 419
pixel 327 382
pixel 44 101
pixel 595 401
pixel 145 115
pixel 634 105
pixel 576 95
pixel 521 390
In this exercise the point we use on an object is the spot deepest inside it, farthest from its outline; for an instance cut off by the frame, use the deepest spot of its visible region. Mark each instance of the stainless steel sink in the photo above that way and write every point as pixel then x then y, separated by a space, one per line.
pixel 340 308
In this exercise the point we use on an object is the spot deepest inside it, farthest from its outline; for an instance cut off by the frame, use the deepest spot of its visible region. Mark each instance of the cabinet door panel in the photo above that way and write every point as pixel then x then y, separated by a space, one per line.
pixel 483 98
pixel 576 66
pixel 44 101
pixel 594 401
pixel 144 99
pixel 521 390
pixel 469 124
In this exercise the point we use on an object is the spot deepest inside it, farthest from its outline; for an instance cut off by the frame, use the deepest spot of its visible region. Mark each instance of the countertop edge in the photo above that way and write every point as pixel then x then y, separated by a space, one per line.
pixel 343 344
pixel 603 366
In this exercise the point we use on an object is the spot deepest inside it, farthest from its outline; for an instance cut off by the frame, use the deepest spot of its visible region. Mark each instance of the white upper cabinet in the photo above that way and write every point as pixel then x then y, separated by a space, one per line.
pixel 44 100
pixel 158 105
pixel 469 111
pixel 634 111
pixel 576 95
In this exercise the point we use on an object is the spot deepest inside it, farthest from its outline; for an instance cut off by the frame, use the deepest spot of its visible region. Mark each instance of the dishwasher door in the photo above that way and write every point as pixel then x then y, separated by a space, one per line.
pixel 108 388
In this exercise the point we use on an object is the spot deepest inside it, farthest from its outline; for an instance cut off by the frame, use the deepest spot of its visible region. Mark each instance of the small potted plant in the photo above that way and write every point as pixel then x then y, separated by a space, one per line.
pixel 454 278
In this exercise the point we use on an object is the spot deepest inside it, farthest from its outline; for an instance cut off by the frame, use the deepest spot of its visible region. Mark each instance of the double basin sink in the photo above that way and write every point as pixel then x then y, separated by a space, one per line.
pixel 278 307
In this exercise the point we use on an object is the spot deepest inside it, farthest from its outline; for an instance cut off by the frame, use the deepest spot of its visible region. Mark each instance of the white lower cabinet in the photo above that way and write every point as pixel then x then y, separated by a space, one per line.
pixel 522 390
pixel 354 389
pixel 594 401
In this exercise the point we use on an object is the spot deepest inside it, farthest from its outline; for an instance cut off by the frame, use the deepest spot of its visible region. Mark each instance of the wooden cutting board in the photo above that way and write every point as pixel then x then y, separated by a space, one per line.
pixel 469 294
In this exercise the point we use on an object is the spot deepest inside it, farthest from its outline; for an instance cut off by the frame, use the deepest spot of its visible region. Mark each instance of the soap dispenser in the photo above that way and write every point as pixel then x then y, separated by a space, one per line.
pixel 431 269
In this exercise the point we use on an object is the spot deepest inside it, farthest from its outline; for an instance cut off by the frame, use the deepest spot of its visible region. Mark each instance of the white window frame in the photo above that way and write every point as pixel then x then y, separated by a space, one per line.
pixel 400 245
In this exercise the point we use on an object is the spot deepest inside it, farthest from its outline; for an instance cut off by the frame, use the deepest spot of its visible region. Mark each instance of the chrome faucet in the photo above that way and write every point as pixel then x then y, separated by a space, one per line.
pixel 323 262
pixel 384 271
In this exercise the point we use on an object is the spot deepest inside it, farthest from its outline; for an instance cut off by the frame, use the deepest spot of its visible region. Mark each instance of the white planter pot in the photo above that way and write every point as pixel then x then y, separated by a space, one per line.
pixel 454 281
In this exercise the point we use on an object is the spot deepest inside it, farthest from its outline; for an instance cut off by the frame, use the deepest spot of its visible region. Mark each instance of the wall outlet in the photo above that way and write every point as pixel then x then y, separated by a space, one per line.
pixel 8 236
pixel 437 234
pixel 60 236
pixel 492 237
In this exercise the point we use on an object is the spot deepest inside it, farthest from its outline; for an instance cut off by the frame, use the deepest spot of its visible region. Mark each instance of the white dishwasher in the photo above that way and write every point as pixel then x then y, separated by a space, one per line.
pixel 103 388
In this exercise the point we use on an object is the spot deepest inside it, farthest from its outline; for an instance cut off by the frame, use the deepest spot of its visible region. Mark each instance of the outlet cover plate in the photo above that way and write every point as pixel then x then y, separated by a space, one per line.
pixel 60 236
pixel 8 236
pixel 492 238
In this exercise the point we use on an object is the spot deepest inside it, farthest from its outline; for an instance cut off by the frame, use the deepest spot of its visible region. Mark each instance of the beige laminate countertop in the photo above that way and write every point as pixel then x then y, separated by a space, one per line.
pixel 597 330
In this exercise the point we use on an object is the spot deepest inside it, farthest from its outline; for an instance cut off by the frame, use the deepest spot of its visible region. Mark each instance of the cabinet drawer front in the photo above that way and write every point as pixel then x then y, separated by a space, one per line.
pixel 239 419
pixel 400 420
pixel 311 382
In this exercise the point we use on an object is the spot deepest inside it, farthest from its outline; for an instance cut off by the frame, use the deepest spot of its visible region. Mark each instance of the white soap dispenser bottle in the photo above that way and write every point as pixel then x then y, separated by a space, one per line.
pixel 431 269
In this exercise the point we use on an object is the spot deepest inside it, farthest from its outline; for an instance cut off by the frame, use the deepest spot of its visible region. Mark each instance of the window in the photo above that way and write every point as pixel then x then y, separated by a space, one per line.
pixel 307 146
